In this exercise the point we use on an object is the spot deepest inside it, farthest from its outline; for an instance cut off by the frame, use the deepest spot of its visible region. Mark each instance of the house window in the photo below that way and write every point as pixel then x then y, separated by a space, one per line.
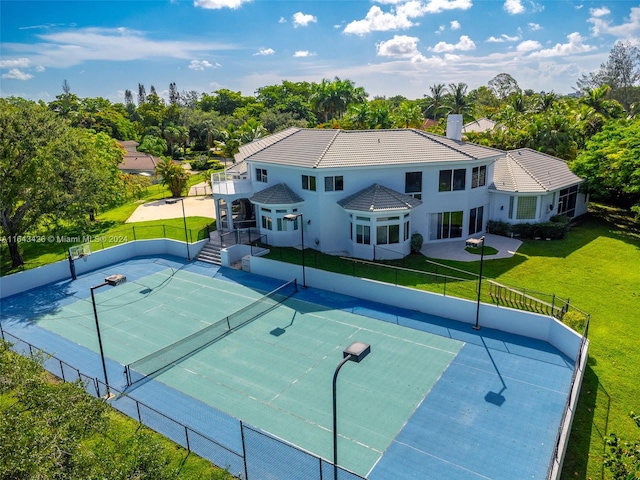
pixel 446 225
pixel 309 183
pixel 413 184
pixel 475 220
pixel 526 208
pixel 333 184
pixel 452 180
pixel 261 175
pixel 387 234
pixel 567 201
pixel 363 234
pixel 478 176
pixel 406 227
pixel 511 200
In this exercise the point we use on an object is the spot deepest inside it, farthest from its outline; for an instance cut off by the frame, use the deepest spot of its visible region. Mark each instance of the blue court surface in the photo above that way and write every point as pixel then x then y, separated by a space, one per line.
pixel 493 413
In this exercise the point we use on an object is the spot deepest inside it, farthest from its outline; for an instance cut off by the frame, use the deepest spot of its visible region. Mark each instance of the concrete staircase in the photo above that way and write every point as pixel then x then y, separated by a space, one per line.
pixel 210 253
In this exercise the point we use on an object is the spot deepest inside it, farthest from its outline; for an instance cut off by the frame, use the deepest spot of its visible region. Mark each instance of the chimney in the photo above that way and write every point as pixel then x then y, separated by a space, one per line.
pixel 454 126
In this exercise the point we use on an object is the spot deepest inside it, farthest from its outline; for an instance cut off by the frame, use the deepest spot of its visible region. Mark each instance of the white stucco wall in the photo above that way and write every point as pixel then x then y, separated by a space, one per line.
pixel 327 224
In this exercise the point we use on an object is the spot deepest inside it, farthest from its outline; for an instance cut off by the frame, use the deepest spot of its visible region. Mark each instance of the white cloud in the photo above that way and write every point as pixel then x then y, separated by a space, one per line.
pixel 302 20
pixel 502 38
pixel 401 47
pixel 465 44
pixel 218 4
pixel 40 68
pixel 513 7
pixel 528 45
pixel 75 46
pixel 437 6
pixel 303 53
pixel 282 20
pixel 15 63
pixel 574 45
pixel 534 27
pixel 626 30
pixel 441 29
pixel 378 21
pixel 599 12
pixel 265 51
pixel 200 65
pixel 17 74
pixel 455 25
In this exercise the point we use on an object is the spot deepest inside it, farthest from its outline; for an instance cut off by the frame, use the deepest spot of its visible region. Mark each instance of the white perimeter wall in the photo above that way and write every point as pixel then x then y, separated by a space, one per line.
pixel 36 277
pixel 527 324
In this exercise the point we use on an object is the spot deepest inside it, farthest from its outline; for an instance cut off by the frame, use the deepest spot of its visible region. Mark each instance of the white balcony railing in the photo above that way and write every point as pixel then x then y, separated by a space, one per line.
pixel 225 183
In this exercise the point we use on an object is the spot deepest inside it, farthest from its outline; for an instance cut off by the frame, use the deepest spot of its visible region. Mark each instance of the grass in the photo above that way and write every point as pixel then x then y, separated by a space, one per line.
pixel 597 267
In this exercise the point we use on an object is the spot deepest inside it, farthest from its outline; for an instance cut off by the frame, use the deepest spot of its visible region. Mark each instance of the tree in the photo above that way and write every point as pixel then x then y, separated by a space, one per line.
pixel 173 176
pixel 142 94
pixel 503 86
pixel 621 72
pixel 45 167
pixel 174 95
pixel 623 458
pixel 433 105
pixel 457 100
pixel 128 97
pixel 57 431
pixel 610 163
pixel 408 115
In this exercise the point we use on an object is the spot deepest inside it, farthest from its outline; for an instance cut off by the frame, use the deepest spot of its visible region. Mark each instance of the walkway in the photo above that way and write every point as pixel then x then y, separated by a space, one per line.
pixel 455 250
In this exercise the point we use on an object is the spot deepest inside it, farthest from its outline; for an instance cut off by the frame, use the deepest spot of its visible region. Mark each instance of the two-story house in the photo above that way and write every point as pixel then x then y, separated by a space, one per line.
pixel 364 193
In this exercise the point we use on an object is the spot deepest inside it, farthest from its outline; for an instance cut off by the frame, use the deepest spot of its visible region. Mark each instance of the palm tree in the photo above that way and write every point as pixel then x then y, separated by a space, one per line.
pixel 457 100
pixel 173 176
pixel 408 115
pixel 434 103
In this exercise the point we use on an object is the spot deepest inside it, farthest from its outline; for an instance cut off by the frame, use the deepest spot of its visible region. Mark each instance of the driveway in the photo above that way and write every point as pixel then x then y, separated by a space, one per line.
pixel 159 209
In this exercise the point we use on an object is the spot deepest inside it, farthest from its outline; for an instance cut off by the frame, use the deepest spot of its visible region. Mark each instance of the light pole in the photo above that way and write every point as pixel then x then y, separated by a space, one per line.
pixel 184 218
pixel 291 217
pixel 114 281
pixel 354 353
pixel 474 243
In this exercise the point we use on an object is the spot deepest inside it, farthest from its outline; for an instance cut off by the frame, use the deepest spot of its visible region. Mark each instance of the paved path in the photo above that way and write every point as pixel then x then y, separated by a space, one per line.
pixel 158 210
pixel 455 250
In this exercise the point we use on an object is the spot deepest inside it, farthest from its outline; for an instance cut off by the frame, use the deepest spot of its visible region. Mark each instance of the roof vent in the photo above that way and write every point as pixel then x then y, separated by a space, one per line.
pixel 454 127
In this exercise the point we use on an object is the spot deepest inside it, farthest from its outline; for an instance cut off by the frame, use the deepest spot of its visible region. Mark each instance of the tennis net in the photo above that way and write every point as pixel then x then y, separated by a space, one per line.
pixel 178 351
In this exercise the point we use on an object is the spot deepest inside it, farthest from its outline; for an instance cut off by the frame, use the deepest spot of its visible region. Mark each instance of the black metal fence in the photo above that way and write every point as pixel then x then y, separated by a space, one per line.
pixel 262 455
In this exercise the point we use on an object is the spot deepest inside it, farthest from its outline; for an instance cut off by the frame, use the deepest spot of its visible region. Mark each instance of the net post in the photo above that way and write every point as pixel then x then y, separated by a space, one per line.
pixel 295 284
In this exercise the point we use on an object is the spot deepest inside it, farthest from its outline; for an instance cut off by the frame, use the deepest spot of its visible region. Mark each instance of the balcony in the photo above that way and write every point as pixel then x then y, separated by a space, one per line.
pixel 225 183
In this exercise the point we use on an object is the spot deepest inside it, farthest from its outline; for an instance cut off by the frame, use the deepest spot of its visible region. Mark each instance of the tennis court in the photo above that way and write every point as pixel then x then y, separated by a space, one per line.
pixel 276 371
pixel 436 400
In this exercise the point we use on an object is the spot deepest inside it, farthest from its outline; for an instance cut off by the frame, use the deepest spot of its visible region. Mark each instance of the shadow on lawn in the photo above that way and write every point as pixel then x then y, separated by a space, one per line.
pixel 591 417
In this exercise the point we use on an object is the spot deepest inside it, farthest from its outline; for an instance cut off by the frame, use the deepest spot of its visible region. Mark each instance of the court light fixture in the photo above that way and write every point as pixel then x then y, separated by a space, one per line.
pixel 113 281
pixel 356 352
pixel 292 217
pixel 171 201
pixel 475 243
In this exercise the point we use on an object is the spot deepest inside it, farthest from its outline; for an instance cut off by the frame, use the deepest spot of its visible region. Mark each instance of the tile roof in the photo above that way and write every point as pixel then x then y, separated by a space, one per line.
pixel 134 160
pixel 528 171
pixel 318 148
pixel 377 198
pixel 279 194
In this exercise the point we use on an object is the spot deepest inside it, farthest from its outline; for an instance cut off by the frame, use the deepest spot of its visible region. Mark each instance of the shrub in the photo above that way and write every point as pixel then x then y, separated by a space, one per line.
pixel 499 228
pixel 416 242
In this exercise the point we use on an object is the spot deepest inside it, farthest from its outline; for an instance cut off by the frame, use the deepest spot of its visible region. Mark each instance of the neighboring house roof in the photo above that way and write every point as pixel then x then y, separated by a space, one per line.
pixel 279 194
pixel 318 148
pixel 479 125
pixel 528 171
pixel 135 161
pixel 377 198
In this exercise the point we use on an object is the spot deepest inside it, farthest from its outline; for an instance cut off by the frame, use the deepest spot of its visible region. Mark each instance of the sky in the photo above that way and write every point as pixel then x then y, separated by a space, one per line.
pixel 388 47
